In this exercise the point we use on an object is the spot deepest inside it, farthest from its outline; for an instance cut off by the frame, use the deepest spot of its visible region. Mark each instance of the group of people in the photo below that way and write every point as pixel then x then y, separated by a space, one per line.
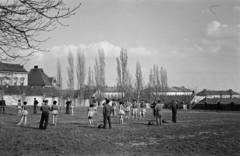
pixel 157 107
pixel 125 109
pixel 23 111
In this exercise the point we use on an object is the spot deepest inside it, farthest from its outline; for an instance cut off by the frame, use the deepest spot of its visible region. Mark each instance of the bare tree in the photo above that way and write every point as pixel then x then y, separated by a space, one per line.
pixel 99 69
pixel 102 66
pixel 21 21
pixel 71 75
pixel 122 61
pixel 81 73
pixel 59 74
pixel 164 82
pixel 139 80
pixel 90 77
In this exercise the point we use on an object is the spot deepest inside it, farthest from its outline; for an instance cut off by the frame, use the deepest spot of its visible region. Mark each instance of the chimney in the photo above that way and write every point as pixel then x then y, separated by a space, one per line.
pixel 35 67
pixel 231 94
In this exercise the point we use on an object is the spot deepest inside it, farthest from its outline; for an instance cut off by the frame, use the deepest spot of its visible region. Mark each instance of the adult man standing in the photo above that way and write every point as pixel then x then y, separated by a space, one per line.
pixel 2 106
pixel 174 111
pixel 159 114
pixel 35 103
pixel 45 115
pixel 107 110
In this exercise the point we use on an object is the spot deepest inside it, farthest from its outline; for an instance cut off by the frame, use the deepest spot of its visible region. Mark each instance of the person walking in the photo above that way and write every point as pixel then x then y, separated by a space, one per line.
pixel 45 115
pixel 159 112
pixel 54 109
pixel 2 106
pixel 24 113
pixel 107 110
pixel 174 111
pixel 35 103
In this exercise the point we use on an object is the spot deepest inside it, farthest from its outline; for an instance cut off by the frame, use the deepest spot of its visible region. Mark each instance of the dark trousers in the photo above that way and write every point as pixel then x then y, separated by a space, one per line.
pixel 2 109
pixel 154 112
pixel 44 121
pixel 174 116
pixel 105 119
pixel 34 109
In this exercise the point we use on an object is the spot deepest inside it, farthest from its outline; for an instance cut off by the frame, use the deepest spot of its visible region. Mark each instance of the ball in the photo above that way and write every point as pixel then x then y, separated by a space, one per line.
pixel 100 126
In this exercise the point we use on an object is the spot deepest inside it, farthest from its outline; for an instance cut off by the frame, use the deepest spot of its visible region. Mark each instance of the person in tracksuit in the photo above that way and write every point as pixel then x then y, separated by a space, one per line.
pixel 45 108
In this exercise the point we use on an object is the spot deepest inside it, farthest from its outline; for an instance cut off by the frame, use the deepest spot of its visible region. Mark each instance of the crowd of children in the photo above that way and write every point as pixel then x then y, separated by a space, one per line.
pixel 120 109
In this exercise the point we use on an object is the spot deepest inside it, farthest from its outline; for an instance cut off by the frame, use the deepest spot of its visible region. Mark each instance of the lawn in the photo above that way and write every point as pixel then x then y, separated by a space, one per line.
pixel 195 133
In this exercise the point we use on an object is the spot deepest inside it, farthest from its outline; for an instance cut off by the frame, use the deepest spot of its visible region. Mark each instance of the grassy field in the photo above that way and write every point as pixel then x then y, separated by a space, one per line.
pixel 195 133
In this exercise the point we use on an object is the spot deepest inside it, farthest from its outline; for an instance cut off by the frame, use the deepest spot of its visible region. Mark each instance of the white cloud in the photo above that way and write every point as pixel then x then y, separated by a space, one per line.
pixel 236 8
pixel 213 28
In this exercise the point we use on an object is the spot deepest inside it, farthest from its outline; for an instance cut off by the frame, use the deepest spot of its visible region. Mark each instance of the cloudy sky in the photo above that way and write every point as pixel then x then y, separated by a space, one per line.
pixel 196 41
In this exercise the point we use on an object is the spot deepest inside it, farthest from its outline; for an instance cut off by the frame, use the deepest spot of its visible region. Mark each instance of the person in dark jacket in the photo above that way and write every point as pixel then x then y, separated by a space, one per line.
pixel 45 108
pixel 68 103
pixel 2 106
pixel 174 111
pixel 35 103
pixel 153 107
pixel 107 110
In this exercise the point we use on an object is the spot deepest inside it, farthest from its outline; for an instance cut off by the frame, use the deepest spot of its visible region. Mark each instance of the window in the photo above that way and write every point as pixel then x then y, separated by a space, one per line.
pixel 22 81
pixel 15 79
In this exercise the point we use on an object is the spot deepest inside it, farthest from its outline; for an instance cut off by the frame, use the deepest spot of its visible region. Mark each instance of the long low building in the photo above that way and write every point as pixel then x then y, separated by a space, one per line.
pixel 12 94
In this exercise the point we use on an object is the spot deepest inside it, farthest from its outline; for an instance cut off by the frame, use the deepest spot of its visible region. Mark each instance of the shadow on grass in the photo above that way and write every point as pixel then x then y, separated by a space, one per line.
pixel 85 125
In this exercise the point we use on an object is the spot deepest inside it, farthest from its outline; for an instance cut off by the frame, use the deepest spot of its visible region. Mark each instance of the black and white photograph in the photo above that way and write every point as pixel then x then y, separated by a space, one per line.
pixel 119 77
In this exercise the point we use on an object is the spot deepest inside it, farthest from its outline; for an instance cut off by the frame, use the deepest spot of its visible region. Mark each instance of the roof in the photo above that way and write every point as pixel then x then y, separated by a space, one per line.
pixel 30 90
pixel 110 89
pixel 172 89
pixel 37 77
pixel 220 100
pixel 179 98
pixel 12 67
pixel 88 93
pixel 214 92
pixel 178 89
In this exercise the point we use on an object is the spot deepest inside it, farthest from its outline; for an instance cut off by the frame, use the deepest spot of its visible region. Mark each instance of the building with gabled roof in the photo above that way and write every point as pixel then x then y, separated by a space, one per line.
pixel 215 94
pixel 218 104
pixel 37 77
pixel 13 74
pixel 39 86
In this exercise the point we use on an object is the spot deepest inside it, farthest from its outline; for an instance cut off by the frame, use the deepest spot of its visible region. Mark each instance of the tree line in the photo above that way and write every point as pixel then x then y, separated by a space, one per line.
pixel 131 88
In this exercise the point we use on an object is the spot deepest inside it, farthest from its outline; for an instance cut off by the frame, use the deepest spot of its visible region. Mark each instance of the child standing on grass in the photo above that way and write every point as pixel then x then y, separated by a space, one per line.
pixel 127 109
pixel 24 113
pixel 54 112
pixel 90 114
pixel 142 110
pixel 95 105
pixel 134 109
pixel 71 107
pixel 121 112
pixel 19 108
